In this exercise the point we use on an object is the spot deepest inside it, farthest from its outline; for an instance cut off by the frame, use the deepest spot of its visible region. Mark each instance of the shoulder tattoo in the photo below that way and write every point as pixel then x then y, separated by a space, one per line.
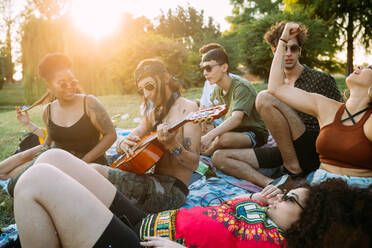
pixel 187 143
pixel 101 116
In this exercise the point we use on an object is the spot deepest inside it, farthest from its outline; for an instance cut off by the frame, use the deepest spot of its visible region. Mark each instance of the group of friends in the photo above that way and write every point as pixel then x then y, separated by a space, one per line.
pixel 65 195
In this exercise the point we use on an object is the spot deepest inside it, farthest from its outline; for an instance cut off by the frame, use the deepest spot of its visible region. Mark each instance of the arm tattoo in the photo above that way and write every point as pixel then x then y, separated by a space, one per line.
pixel 187 143
pixel 101 116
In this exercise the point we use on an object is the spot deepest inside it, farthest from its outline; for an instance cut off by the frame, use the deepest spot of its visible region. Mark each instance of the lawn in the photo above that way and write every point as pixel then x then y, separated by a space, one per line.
pixel 11 130
pixel 117 106
pixel 11 94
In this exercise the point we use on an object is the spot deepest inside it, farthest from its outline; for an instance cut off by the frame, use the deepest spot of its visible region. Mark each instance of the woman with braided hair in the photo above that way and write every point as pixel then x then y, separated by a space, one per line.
pixel 74 121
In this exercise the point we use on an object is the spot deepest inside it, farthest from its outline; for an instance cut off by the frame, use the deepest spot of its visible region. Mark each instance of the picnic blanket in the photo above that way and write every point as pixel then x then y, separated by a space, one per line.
pixel 203 191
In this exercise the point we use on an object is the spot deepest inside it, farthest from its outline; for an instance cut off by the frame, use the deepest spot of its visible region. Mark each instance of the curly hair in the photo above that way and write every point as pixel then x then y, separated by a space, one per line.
pixel 274 33
pixel 48 66
pixel 52 63
pixel 335 215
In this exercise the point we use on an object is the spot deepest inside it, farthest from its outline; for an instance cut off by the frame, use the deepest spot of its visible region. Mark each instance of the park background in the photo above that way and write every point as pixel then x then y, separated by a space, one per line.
pixel 105 43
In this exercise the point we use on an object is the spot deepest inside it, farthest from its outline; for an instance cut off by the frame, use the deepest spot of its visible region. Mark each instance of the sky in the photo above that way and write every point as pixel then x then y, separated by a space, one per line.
pixel 99 17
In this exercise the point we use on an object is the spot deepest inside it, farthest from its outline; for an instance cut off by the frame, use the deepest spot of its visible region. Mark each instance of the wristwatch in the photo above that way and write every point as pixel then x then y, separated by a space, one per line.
pixel 176 151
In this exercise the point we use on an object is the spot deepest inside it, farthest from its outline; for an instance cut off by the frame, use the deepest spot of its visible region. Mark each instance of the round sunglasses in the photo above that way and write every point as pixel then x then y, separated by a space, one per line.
pixel 64 84
pixel 148 87
pixel 291 198
pixel 293 48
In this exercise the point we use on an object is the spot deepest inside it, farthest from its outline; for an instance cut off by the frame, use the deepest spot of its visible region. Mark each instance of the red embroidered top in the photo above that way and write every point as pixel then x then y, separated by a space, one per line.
pixel 236 223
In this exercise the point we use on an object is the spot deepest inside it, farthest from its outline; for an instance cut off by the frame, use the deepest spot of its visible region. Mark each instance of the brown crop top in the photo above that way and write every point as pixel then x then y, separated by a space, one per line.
pixel 345 146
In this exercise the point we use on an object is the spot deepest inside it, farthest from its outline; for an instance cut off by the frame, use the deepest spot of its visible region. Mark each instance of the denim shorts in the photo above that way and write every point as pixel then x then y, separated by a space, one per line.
pixel 321 175
pixel 252 135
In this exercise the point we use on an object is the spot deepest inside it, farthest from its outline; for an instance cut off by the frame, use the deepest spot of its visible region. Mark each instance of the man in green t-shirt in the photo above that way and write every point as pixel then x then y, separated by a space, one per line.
pixel 242 126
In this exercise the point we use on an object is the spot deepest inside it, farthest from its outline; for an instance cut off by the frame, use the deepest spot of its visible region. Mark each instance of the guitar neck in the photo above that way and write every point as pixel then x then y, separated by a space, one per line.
pixel 172 128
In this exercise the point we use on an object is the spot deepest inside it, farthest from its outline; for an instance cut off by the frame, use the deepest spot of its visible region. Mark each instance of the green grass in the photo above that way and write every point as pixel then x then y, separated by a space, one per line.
pixel 11 94
pixel 11 130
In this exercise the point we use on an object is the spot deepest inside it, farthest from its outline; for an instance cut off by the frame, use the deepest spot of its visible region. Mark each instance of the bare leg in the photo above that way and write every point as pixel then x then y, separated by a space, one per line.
pixel 14 172
pixel 240 163
pixel 285 126
pixel 229 140
pixel 19 159
pixel 81 172
pixel 53 210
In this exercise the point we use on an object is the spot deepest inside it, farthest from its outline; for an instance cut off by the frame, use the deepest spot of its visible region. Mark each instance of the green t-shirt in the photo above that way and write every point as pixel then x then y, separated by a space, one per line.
pixel 241 97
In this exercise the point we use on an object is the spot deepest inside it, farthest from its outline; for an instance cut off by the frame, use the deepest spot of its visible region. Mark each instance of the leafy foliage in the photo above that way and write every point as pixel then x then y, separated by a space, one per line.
pixel 187 25
pixel 318 51
pixel 6 65
pixel 348 19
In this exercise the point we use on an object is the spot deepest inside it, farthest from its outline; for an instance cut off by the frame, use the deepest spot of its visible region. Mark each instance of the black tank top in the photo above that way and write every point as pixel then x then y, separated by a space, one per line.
pixel 79 138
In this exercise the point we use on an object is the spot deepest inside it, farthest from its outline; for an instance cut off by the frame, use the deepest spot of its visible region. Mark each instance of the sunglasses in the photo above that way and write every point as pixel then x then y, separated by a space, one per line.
pixel 293 48
pixel 208 68
pixel 360 67
pixel 148 87
pixel 64 84
pixel 291 198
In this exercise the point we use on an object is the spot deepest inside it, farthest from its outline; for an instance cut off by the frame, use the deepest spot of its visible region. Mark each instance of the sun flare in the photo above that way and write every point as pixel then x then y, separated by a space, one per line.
pixel 96 17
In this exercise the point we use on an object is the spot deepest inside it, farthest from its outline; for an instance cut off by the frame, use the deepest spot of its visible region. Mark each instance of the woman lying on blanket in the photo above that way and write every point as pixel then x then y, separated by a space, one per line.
pixel 53 209
pixel 344 143
pixel 74 121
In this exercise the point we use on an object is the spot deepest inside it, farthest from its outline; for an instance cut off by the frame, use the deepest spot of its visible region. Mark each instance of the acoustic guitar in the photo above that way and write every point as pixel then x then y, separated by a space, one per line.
pixel 149 150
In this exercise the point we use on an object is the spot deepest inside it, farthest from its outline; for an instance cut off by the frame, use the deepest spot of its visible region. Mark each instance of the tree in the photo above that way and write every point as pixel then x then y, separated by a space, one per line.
pixel 188 26
pixel 247 10
pixel 8 19
pixel 347 18
pixel 318 51
pixel 173 53
pixel 5 65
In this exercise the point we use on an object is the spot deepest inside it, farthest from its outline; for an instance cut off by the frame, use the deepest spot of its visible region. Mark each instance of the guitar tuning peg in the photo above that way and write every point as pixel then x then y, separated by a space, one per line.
pixel 210 119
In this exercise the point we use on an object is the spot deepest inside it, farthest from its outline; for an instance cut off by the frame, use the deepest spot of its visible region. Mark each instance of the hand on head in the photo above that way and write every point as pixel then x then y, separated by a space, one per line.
pixel 290 31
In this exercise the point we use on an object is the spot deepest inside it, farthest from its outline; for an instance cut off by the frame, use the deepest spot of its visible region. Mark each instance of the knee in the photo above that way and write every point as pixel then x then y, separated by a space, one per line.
pixel 52 155
pixel 264 100
pixel 225 141
pixel 33 180
pixel 103 170
pixel 218 158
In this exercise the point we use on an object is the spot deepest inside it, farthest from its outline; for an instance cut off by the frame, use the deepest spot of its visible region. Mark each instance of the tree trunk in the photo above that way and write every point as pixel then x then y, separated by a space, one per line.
pixel 10 72
pixel 350 41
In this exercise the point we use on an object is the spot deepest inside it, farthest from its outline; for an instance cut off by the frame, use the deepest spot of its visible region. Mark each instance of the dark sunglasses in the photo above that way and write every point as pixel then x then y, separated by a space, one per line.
pixel 148 87
pixel 293 48
pixel 291 198
pixel 64 84
pixel 208 68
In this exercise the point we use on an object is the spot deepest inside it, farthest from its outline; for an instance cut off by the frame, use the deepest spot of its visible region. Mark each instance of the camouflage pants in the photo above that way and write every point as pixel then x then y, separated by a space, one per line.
pixel 150 192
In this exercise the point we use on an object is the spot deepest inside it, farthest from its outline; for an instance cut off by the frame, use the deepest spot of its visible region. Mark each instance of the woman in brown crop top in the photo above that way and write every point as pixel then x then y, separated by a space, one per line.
pixel 74 121
pixel 344 143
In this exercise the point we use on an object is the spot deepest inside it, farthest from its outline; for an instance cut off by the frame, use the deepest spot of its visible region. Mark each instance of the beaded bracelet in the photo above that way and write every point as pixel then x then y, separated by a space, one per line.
pixel 283 40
